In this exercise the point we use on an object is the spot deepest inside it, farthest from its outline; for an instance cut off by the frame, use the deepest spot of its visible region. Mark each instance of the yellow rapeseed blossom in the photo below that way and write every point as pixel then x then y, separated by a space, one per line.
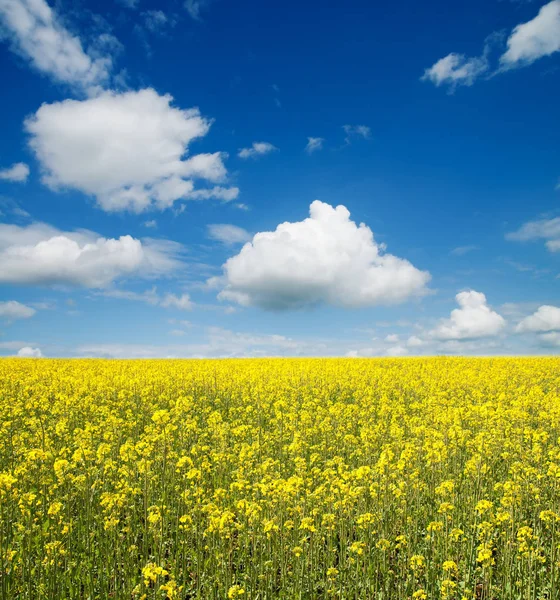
pixel 409 479
pixel 235 591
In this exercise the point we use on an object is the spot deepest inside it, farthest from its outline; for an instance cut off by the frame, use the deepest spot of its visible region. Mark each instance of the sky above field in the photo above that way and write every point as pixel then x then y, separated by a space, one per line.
pixel 212 178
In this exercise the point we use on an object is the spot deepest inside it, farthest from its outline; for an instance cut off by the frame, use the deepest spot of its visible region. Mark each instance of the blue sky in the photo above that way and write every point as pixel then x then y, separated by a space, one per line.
pixel 216 178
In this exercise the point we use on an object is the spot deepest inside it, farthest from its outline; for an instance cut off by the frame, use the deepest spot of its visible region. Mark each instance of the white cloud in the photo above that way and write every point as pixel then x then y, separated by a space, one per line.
pixel 228 234
pixel 474 319
pixel 456 69
pixel 126 149
pixel 326 258
pixel 149 296
pixel 12 310
pixel 398 347
pixel 36 33
pixel 180 323
pixel 256 149
pixel 546 318
pixel 18 172
pixel 152 297
pixel 216 343
pixel 152 224
pixel 155 20
pixel 392 338
pixel 544 229
pixel 194 7
pixel 550 339
pixel 28 352
pixel 414 342
pixel 462 250
pixel 527 43
pixel 10 206
pixel 313 144
pixel 182 302
pixel 218 192
pixel 356 131
pixel 396 351
pixel 40 254
pixel 537 38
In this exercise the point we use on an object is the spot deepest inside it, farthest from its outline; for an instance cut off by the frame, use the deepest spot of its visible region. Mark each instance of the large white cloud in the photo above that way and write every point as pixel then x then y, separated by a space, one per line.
pixel 126 149
pixel 544 229
pixel 18 172
pixel 12 310
pixel 534 39
pixel 473 319
pixel 41 254
pixel 546 318
pixel 37 33
pixel 326 258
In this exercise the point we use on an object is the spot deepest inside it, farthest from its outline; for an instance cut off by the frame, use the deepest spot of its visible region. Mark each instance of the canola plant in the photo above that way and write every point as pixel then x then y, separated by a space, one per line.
pixel 393 479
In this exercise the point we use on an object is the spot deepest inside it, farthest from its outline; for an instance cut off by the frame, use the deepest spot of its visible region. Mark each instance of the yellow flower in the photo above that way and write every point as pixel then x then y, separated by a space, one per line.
pixel 483 506
pixel 332 572
pixel 456 534
pixel 54 509
pixel 448 588
pixel 450 566
pixel 235 591
pixel 417 562
pixel 308 524
pixel 151 572
pixel 484 555
pixel 357 548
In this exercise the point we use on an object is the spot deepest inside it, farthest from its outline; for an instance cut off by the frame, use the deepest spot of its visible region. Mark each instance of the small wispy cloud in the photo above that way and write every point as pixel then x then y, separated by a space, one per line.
pixel 256 149
pixel 19 172
pixel 462 250
pixel 151 296
pixel 353 131
pixel 228 234
pixel 156 20
pixel 314 144
pixel 195 8
pixel 540 229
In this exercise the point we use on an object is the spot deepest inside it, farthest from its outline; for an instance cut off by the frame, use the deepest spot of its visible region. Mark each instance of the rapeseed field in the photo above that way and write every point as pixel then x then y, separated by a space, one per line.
pixel 256 479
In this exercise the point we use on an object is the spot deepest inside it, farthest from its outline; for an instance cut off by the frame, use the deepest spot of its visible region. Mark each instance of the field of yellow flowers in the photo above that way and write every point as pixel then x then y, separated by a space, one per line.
pixel 256 479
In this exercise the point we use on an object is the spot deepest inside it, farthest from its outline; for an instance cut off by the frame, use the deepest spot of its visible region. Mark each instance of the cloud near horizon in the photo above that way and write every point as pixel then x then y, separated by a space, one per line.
pixel 472 320
pixel 324 259
pixel 39 254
